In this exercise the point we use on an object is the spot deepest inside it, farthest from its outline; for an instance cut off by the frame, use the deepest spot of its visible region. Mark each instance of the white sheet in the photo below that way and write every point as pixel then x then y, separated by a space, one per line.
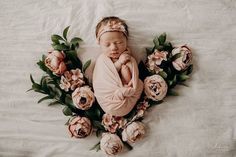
pixel 200 122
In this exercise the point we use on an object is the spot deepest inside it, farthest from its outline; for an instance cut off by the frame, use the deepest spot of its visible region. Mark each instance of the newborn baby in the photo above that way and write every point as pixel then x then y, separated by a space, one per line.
pixel 116 84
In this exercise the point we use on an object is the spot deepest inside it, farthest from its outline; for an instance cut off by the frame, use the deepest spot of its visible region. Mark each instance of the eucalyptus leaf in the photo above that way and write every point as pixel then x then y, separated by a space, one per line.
pixel 65 32
pixel 67 111
pixel 162 38
pixel 86 65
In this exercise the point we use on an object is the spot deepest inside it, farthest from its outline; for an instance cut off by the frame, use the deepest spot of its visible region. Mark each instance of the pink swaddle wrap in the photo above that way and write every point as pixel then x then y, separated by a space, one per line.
pixel 111 95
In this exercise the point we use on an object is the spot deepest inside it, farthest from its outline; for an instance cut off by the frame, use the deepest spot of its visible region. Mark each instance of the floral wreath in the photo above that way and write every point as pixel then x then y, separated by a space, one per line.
pixel 65 83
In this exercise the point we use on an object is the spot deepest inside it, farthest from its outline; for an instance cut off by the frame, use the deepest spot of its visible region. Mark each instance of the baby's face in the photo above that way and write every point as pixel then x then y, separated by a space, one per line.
pixel 113 44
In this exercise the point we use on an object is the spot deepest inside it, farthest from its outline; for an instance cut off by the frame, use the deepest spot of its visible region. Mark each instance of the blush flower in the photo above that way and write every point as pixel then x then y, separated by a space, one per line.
pixel 55 62
pixel 111 144
pixel 155 87
pixel 185 59
pixel 80 127
pixel 155 60
pixel 112 123
pixel 72 79
pixel 133 132
pixel 83 98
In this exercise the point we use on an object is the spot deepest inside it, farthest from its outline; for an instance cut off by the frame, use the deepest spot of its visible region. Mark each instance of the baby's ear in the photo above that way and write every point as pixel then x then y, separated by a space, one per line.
pixel 127 51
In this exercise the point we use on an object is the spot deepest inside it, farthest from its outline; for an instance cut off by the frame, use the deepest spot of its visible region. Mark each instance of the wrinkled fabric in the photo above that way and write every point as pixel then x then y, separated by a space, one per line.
pixel 113 97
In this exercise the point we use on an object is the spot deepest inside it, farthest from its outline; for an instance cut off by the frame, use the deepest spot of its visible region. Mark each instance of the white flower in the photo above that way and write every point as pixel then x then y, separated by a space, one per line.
pixel 80 127
pixel 155 87
pixel 184 60
pixel 155 59
pixel 83 98
pixel 133 132
pixel 111 144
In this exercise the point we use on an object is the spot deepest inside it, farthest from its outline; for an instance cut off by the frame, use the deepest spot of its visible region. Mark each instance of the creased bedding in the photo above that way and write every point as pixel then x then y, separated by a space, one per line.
pixel 200 122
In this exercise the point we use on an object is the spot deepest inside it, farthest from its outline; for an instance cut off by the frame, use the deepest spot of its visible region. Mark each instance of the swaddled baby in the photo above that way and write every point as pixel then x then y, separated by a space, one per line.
pixel 116 84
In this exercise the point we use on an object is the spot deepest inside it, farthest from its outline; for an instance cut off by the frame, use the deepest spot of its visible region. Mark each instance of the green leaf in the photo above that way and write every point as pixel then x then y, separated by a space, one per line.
pixel 159 47
pixel 183 77
pixel 190 69
pixel 42 65
pixel 65 32
pixel 162 38
pixel 163 74
pixel 149 50
pixel 98 125
pixel 31 78
pixel 60 47
pixel 128 145
pixel 86 65
pixel 96 146
pixel 156 41
pixel 152 103
pixel 55 38
pixel 44 98
pixel 172 93
pixel 54 103
pixel 75 40
pixel 67 111
pixel 29 89
pixel 176 56
pixel 36 86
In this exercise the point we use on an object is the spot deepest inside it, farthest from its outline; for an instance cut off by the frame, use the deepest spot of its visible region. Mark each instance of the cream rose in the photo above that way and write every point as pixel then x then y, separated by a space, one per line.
pixel 133 132
pixel 55 62
pixel 83 98
pixel 111 144
pixel 155 59
pixel 80 127
pixel 185 59
pixel 155 87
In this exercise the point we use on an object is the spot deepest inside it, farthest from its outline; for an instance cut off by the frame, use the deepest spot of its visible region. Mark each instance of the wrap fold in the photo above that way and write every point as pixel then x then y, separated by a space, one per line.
pixel 112 96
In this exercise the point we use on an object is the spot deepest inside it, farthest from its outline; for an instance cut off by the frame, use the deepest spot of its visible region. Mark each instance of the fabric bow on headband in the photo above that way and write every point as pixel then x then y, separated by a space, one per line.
pixel 111 26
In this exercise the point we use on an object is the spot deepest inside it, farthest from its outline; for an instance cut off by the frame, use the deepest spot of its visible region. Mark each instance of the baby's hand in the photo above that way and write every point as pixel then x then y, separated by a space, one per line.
pixel 124 58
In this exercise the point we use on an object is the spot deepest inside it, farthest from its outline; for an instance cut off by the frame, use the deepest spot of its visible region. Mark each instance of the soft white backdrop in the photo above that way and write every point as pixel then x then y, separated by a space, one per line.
pixel 201 122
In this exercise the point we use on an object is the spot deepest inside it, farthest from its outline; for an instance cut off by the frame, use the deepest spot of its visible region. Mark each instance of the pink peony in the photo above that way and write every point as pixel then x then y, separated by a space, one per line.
pixel 133 132
pixel 55 62
pixel 111 144
pixel 83 98
pixel 184 60
pixel 155 87
pixel 80 127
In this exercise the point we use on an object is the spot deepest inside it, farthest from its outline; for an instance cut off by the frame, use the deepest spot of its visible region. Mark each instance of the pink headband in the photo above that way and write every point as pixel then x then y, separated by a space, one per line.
pixel 112 26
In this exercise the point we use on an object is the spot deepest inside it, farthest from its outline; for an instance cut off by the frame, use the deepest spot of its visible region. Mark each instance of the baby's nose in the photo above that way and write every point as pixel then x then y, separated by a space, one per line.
pixel 113 47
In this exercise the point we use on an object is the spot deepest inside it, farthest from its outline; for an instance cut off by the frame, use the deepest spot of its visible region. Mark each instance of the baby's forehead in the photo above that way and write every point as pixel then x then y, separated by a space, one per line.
pixel 112 36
